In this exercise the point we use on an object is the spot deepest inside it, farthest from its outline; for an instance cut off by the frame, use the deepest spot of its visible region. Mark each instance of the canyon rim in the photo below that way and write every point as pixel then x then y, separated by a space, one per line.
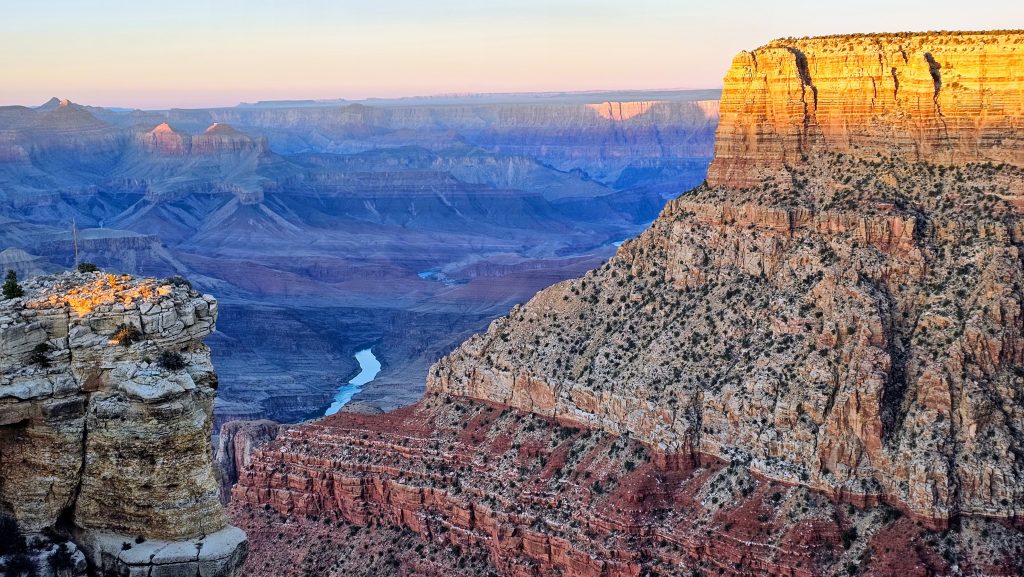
pixel 809 365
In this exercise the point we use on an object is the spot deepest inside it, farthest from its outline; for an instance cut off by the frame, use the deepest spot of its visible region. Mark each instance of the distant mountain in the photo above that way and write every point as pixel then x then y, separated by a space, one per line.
pixel 405 225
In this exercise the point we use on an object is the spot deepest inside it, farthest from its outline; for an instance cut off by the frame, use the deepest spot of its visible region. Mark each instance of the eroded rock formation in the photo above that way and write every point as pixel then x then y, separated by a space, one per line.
pixel 236 443
pixel 811 365
pixel 106 399
pixel 944 98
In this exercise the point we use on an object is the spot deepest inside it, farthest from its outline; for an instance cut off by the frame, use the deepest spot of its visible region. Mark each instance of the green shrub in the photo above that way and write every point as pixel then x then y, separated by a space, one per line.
pixel 12 289
pixel 88 267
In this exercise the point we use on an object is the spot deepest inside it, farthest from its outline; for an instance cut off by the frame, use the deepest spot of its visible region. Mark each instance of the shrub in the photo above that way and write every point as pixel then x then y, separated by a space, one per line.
pixel 19 565
pixel 12 289
pixel 11 538
pixel 62 561
pixel 39 355
pixel 178 280
pixel 849 537
pixel 88 267
pixel 126 335
pixel 170 360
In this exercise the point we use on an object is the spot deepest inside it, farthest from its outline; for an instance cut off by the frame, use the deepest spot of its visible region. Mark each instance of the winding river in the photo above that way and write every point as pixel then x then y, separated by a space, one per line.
pixel 369 367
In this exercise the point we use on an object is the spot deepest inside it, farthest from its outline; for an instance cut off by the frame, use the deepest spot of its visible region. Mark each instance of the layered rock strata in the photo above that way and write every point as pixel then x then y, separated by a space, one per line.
pixel 944 97
pixel 236 443
pixel 491 490
pixel 811 365
pixel 106 398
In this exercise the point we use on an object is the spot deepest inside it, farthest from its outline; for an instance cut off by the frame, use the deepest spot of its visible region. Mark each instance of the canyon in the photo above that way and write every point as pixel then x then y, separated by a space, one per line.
pixel 106 411
pixel 295 214
pixel 810 364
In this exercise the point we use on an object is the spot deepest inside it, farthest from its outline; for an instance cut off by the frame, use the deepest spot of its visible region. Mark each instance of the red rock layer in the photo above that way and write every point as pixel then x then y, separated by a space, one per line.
pixel 947 98
pixel 542 499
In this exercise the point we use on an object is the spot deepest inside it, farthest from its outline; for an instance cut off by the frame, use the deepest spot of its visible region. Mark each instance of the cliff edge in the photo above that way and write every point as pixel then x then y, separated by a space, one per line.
pixel 813 364
pixel 106 398
pixel 939 97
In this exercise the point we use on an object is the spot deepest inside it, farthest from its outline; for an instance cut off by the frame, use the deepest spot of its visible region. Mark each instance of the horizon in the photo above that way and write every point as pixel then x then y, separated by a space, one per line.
pixel 117 54
pixel 342 101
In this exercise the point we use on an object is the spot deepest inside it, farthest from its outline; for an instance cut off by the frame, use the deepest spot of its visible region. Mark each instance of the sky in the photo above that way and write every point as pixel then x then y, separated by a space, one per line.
pixel 193 53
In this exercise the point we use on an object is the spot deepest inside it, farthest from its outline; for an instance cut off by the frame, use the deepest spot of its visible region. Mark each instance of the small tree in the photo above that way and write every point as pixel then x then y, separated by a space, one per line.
pixel 12 289
pixel 88 267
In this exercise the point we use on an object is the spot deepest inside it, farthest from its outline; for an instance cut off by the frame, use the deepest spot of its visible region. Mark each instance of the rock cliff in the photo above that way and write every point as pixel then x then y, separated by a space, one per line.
pixel 811 365
pixel 491 490
pixel 106 399
pixel 944 98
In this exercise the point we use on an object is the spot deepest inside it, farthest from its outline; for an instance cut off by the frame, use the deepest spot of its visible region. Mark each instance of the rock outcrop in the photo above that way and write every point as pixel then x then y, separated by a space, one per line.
pixel 811 365
pixel 236 443
pixel 944 97
pixel 501 491
pixel 850 325
pixel 106 399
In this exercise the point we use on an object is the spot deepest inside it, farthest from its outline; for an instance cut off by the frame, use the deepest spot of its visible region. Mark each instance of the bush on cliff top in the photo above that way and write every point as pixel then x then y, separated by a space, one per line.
pixel 178 280
pixel 88 267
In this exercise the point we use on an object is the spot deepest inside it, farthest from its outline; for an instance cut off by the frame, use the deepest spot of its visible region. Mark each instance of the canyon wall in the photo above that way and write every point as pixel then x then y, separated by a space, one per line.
pixel 488 490
pixel 106 400
pixel 810 365
pixel 946 98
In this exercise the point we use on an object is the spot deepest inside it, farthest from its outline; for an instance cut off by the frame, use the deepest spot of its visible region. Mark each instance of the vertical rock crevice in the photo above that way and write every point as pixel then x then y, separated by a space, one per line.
pixel 806 82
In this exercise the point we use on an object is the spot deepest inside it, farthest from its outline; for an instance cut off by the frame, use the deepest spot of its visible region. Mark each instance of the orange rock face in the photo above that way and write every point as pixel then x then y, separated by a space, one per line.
pixel 945 98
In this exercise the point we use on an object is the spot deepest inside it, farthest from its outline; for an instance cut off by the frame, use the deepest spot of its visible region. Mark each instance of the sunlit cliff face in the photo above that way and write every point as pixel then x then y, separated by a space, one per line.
pixel 107 289
pixel 622 111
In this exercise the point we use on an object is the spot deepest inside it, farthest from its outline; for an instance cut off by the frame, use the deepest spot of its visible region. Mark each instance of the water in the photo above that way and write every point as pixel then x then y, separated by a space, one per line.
pixel 369 367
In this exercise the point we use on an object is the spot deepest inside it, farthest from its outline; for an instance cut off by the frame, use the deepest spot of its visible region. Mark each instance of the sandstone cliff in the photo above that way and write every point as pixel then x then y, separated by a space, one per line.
pixel 945 98
pixel 811 365
pixel 106 398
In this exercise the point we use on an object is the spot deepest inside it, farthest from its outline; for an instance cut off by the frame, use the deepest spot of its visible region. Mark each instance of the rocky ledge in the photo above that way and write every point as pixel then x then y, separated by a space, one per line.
pixel 491 490
pixel 106 397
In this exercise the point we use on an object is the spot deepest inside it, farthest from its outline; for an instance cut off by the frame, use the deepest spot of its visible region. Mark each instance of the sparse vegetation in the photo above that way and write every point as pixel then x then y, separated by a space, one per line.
pixel 171 360
pixel 11 288
pixel 178 280
pixel 40 355
pixel 126 335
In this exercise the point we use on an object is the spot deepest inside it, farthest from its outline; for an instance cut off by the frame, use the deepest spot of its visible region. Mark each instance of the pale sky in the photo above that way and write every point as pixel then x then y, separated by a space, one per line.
pixel 194 53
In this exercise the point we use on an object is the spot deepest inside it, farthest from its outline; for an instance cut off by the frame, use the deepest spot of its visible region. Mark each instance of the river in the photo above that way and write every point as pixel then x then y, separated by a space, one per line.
pixel 369 366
